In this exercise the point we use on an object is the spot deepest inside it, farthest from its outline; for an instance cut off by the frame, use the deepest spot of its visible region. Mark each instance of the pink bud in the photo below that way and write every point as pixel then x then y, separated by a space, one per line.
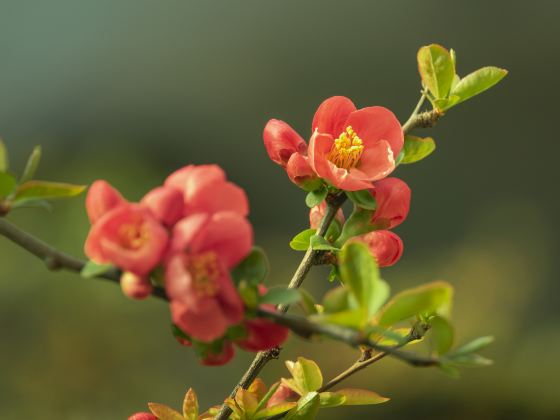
pixel 281 395
pixel 393 202
pixel 317 214
pixel 101 198
pixel 300 172
pixel 221 358
pixel 142 416
pixel 135 287
pixel 384 245
pixel 282 141
pixel 166 204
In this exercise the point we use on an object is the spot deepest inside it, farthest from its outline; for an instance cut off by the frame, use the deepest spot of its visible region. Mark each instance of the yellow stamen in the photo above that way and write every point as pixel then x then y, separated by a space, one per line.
pixel 133 236
pixel 346 150
pixel 205 272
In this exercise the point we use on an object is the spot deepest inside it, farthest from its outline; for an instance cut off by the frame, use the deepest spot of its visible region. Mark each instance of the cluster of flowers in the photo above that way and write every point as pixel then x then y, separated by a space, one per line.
pixel 187 234
pixel 352 150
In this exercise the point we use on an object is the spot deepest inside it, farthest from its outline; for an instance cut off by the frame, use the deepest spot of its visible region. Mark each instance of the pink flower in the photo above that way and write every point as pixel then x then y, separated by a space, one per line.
pixel 221 358
pixel 142 416
pixel 393 202
pixel 129 237
pixel 101 198
pixel 166 204
pixel 262 334
pixel 384 245
pixel 317 214
pixel 282 141
pixel 352 148
pixel 136 287
pixel 204 301
pixel 205 189
pixel 300 172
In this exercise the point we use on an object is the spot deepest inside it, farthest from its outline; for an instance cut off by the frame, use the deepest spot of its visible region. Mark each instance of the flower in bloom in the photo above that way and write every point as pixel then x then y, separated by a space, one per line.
pixel 205 189
pixel 384 245
pixel 166 204
pixel 128 236
pixel 204 247
pixel 392 196
pixel 142 416
pixel 349 148
pixel 101 198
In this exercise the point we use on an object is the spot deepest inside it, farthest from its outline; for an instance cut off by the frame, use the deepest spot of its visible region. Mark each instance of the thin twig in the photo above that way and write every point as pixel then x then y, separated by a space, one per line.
pixel 421 119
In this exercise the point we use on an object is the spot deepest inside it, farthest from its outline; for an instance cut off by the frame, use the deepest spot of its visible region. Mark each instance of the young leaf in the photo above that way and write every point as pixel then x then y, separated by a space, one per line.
pixel 307 302
pixel 272 412
pixel 190 405
pixel 92 269
pixel 307 375
pixel 437 70
pixel 350 318
pixel 41 190
pixel 253 269
pixel 306 409
pixel 477 82
pixel 468 360
pixel 318 243
pixel 281 296
pixel 442 334
pixel 7 184
pixel 336 300
pixel 164 412
pixel 362 199
pixel 4 164
pixel 361 397
pixel 417 148
pixel 357 224
pixel 32 165
pixel 264 400
pixel 300 242
pixel 314 198
pixel 331 399
pixel 427 299
pixel 359 271
pixel 475 345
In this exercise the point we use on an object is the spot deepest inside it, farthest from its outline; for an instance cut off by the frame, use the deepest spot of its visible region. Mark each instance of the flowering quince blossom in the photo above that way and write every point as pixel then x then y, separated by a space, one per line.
pixel 142 416
pixel 101 198
pixel 349 148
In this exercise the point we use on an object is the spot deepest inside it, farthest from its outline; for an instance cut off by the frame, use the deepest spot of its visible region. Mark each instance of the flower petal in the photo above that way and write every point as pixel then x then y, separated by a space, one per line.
pixel 330 117
pixel 206 324
pixel 282 141
pixel 377 123
pixel 377 161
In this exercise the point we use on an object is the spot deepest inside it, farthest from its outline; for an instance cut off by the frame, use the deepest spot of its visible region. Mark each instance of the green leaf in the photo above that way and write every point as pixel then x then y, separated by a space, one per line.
pixel 253 269
pixel 359 271
pixel 92 269
pixel 477 82
pixel 351 318
pixel 4 164
pixel 307 302
pixel 442 334
pixel 427 299
pixel 300 242
pixel 450 370
pixel 274 410
pixel 437 70
pixel 306 374
pixel 264 400
pixel 417 148
pixel 357 224
pixel 164 412
pixel 361 397
pixel 331 399
pixel 41 190
pixel 249 294
pixel 32 165
pixel 362 199
pixel 306 409
pixel 7 184
pixel 314 198
pixel 40 204
pixel 318 243
pixel 190 405
pixel 469 360
pixel 336 300
pixel 475 345
pixel 281 295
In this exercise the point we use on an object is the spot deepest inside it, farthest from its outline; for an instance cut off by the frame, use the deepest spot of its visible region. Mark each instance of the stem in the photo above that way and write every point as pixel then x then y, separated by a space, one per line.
pixel 334 203
pixel 424 120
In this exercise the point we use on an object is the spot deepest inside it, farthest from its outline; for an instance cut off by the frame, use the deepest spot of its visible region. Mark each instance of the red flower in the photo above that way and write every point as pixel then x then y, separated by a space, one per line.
pixel 349 148
pixel 393 202
pixel 129 237
pixel 262 334
pixel 384 245
pixel 205 189
pixel 101 198
pixel 166 204
pixel 221 358
pixel 301 173
pixel 142 416
pixel 204 301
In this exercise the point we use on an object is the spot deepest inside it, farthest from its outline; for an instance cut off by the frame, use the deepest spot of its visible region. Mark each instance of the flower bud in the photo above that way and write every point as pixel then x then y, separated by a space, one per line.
pixel 282 141
pixel 300 172
pixel 135 287
pixel 384 245
pixel 393 202
pixel 101 198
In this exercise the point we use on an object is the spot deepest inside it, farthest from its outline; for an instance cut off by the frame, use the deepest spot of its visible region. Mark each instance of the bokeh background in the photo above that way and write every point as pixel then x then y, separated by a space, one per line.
pixel 130 90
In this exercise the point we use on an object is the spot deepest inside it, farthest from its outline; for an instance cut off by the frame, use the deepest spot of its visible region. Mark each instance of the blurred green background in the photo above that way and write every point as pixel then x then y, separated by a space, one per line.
pixel 129 90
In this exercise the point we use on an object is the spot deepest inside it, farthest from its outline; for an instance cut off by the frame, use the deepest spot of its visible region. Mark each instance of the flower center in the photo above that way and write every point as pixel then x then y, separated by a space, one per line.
pixel 133 236
pixel 205 271
pixel 347 149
